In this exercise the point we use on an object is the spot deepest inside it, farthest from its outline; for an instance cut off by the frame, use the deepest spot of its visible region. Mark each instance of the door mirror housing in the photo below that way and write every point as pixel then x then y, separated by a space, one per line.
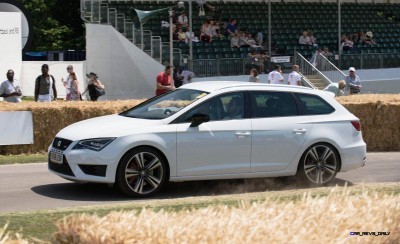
pixel 198 119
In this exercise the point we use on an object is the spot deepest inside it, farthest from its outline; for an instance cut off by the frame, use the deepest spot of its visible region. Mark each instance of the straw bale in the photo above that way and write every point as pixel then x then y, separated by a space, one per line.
pixel 329 219
pixel 50 118
pixel 379 115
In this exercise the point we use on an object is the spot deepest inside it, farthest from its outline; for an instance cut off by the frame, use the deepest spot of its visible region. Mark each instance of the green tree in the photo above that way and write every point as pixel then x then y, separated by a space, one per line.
pixel 56 24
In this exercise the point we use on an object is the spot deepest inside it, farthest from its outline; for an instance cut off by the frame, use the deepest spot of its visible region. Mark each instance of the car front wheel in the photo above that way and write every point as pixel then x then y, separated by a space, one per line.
pixel 141 172
pixel 319 164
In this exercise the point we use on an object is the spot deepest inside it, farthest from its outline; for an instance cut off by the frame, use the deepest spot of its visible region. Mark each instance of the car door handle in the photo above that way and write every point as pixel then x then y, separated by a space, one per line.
pixel 299 131
pixel 242 134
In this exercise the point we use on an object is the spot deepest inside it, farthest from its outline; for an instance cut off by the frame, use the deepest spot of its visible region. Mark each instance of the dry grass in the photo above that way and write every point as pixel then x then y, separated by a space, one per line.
pixel 327 219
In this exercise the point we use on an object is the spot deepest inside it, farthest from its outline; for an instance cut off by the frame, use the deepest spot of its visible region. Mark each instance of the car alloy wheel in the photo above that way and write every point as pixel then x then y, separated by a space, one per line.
pixel 142 172
pixel 319 165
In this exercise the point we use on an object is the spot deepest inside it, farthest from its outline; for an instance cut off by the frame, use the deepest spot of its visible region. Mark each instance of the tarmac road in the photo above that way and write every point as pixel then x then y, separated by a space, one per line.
pixel 28 187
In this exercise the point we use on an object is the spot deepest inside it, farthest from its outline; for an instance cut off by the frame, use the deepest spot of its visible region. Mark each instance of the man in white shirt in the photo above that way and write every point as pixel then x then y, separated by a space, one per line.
pixel 304 39
pixel 183 19
pixel 294 78
pixel 275 76
pixel 187 76
pixel 9 89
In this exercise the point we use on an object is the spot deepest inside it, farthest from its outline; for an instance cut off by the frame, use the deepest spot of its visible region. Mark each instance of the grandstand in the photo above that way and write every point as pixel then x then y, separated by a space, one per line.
pixel 288 20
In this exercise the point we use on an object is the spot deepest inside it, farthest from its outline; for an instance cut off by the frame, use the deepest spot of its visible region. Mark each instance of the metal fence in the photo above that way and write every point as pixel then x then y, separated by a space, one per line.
pixel 219 67
pixel 367 60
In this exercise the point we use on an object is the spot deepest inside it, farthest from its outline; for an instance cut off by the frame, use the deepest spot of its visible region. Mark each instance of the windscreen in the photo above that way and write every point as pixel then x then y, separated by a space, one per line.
pixel 163 106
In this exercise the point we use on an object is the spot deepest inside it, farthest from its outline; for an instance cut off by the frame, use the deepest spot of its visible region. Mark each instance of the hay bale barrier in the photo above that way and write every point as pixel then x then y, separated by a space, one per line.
pixel 379 115
pixel 336 218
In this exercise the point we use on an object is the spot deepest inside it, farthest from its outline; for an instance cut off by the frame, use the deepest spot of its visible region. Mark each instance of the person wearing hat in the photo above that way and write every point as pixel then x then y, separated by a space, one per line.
pixel 336 88
pixel 92 85
pixel 9 89
pixel 45 86
pixel 353 82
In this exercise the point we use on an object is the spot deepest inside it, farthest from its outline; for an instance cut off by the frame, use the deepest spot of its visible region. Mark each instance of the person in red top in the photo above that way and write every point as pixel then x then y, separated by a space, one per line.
pixel 164 81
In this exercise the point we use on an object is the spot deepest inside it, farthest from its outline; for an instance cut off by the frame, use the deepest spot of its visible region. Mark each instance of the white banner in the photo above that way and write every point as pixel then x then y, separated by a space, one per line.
pixel 16 128
pixel 10 44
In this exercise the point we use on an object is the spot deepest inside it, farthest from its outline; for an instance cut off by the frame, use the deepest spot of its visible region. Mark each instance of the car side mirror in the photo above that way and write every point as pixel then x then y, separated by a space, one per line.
pixel 198 119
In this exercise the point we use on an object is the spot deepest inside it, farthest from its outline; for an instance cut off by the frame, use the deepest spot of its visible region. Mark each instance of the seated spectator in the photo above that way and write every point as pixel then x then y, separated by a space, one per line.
pixel 251 41
pixel 232 27
pixel 203 3
pixel 181 35
pixel 243 40
pixel 235 40
pixel 262 57
pixel 260 38
pixel 175 35
pixel 183 20
pixel 206 31
pixel 357 37
pixel 326 52
pixel 305 39
pixel 216 31
pixel 368 38
pixel 174 18
pixel 190 36
pixel 347 44
pixel 313 40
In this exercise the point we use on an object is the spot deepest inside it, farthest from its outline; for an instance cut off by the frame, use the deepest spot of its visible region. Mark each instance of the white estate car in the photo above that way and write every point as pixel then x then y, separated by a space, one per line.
pixel 213 130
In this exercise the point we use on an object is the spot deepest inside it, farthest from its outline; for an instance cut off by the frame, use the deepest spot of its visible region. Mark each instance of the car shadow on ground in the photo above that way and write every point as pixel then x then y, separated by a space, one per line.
pixel 102 192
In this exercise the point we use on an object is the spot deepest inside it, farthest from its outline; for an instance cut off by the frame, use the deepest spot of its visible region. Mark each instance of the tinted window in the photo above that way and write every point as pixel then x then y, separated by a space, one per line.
pixel 223 107
pixel 273 104
pixel 314 105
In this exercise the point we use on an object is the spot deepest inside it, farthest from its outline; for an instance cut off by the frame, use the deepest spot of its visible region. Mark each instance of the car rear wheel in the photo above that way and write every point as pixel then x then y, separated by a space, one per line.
pixel 142 172
pixel 319 164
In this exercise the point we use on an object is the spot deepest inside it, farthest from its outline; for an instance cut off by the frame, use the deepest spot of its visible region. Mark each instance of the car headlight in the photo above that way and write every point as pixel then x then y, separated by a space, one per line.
pixel 96 144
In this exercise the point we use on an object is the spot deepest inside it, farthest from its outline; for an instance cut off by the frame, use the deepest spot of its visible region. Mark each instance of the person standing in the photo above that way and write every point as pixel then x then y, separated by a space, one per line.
pixel 294 78
pixel 92 85
pixel 275 76
pixel 45 86
pixel 164 81
pixel 9 89
pixel 68 81
pixel 254 76
pixel 187 76
pixel 353 82
pixel 74 94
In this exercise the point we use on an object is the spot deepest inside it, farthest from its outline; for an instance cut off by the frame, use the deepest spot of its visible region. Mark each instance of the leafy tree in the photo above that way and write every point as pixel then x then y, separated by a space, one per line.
pixel 56 24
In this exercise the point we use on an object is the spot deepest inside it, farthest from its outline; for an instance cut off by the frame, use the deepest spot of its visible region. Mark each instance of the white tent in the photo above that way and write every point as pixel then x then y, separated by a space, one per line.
pixel 125 70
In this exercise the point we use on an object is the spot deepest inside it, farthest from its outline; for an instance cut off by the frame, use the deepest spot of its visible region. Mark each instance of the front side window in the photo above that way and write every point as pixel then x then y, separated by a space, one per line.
pixel 224 107
pixel 314 105
pixel 163 106
pixel 273 104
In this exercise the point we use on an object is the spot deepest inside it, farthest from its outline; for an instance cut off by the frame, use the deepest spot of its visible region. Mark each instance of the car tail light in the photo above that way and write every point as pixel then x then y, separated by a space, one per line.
pixel 356 124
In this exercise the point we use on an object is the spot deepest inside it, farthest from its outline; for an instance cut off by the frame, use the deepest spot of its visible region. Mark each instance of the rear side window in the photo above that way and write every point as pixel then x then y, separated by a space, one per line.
pixel 314 105
pixel 273 104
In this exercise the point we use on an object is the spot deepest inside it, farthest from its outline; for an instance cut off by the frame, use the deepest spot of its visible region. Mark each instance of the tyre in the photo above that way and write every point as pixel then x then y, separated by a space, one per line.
pixel 319 164
pixel 141 172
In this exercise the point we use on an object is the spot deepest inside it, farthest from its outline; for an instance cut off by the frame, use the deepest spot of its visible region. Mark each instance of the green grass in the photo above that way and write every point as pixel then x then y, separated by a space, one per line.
pixel 23 158
pixel 41 224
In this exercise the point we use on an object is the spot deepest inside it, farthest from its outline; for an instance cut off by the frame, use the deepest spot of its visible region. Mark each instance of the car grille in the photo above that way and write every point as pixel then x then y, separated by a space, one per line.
pixel 61 144
pixel 61 168
pixel 96 170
